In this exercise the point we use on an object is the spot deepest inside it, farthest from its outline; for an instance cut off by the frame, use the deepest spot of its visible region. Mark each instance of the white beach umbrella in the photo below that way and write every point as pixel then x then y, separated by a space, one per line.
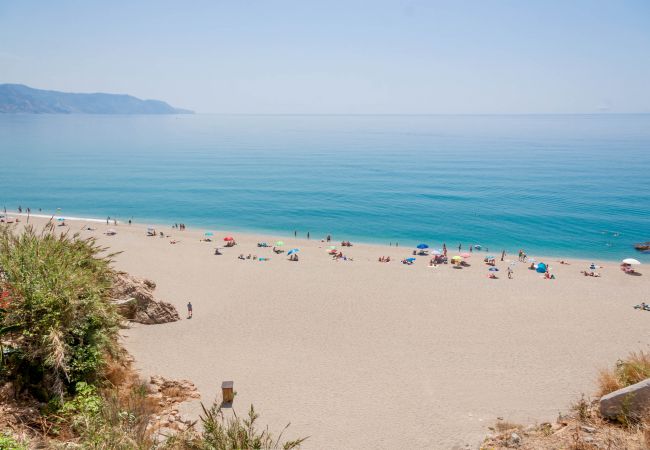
pixel 630 261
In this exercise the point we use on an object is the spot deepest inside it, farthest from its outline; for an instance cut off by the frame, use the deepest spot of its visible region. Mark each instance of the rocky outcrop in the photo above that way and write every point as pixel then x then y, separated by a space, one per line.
pixel 135 301
pixel 169 394
pixel 631 402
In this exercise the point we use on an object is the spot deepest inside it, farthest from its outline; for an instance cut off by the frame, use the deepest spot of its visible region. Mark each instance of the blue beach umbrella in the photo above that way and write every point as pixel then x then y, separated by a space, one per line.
pixel 292 251
pixel 541 268
pixel 490 257
pixel 493 269
pixel 208 233
pixel 410 259
pixel 422 246
pixel 60 219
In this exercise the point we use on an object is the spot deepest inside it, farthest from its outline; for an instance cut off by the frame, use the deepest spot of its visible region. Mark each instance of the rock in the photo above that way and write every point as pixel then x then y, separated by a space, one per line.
pixel 587 429
pixel 632 401
pixel 588 439
pixel 515 439
pixel 135 301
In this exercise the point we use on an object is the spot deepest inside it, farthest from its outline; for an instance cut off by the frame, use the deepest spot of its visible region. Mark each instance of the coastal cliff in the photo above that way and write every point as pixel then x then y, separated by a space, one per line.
pixel 18 98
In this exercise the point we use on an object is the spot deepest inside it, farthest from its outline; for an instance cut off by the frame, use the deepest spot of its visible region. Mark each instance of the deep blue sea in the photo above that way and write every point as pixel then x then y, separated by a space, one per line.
pixel 566 185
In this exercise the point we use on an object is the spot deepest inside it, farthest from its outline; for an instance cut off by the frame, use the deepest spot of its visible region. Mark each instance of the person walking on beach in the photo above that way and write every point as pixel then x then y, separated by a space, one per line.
pixel 459 247
pixel 471 248
pixel 108 219
pixel 308 235
pixel 503 254
pixel 509 272
pixel 295 233
pixel 329 238
pixel 189 310
pixel 129 222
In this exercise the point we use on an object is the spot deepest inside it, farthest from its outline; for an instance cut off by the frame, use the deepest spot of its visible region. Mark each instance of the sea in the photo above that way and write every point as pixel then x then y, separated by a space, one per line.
pixel 555 185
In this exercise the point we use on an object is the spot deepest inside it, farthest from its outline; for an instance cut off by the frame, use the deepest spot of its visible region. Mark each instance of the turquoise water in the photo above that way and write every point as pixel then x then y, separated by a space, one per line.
pixel 556 185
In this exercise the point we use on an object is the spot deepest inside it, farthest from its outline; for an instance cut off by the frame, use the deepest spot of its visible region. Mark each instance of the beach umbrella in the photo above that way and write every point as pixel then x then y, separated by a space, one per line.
pixel 279 243
pixel 208 233
pixel 541 268
pixel 630 261
pixel 60 219
pixel 332 247
pixel 422 246
pixel 436 252
pixel 292 251
pixel 493 269
pixel 410 259
pixel 228 238
pixel 478 246
pixel 490 257
pixel 465 255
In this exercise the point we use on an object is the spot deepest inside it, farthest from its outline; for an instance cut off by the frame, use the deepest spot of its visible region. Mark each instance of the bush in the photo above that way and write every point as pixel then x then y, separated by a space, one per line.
pixel 221 433
pixel 629 371
pixel 9 443
pixel 55 293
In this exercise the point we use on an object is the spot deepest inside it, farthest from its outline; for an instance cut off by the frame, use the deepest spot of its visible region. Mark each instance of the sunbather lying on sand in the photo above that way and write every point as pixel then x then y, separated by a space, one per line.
pixel 644 306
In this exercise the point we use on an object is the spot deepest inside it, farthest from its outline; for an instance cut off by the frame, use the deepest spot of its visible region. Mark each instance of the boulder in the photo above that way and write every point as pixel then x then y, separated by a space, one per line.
pixel 632 401
pixel 135 301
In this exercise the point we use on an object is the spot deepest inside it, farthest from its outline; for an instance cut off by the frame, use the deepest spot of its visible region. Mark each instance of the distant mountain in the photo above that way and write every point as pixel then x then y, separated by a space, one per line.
pixel 18 98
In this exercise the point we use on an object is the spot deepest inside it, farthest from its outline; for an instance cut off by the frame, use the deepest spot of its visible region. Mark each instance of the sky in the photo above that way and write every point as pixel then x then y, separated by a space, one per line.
pixel 338 57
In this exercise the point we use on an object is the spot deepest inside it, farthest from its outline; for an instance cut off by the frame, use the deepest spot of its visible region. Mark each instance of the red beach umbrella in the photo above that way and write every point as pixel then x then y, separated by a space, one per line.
pixel 228 238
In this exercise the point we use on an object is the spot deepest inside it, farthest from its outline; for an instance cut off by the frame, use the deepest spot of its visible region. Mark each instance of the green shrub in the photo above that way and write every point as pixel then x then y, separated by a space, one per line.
pixel 234 433
pixel 55 291
pixel 9 443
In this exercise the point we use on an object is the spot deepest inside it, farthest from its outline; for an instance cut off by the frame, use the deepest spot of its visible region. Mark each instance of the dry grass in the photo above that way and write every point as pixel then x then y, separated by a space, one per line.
pixel 628 371
pixel 582 429
pixel 503 425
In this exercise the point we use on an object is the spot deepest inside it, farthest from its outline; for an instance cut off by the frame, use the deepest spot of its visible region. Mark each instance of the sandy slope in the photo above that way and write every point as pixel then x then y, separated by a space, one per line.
pixel 367 355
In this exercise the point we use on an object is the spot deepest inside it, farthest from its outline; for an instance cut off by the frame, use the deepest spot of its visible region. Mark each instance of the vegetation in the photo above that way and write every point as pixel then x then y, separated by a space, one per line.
pixel 221 433
pixel 56 306
pixel 9 443
pixel 58 342
pixel 628 371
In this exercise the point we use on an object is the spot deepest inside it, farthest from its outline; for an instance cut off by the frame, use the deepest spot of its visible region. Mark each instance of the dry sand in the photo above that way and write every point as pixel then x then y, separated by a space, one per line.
pixel 365 355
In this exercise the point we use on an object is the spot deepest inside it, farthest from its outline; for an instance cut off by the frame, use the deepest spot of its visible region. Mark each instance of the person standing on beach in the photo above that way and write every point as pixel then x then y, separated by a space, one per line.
pixel 503 254
pixel 470 248
pixel 129 221
pixel 295 233
pixel 509 272
pixel 459 247
pixel 108 219
pixel 308 235
pixel 189 310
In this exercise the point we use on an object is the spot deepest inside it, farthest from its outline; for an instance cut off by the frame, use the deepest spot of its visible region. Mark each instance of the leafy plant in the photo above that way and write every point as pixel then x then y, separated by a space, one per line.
pixel 232 433
pixel 57 306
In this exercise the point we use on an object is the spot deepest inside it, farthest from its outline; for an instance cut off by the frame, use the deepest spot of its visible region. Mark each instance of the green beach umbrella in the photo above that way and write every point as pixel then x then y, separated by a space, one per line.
pixel 279 243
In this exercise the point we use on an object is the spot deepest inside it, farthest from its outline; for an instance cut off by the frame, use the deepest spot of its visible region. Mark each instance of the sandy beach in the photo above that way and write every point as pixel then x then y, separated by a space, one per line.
pixel 366 355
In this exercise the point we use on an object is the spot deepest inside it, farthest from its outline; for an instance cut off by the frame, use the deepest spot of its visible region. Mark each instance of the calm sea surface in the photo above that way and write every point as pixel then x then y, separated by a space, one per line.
pixel 557 185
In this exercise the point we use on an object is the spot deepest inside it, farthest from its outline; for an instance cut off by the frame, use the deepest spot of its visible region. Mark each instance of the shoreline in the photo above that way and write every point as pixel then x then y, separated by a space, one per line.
pixel 251 233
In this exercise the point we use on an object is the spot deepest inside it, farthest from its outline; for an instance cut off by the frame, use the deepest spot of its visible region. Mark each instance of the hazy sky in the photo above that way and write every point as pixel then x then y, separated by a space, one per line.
pixel 330 56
